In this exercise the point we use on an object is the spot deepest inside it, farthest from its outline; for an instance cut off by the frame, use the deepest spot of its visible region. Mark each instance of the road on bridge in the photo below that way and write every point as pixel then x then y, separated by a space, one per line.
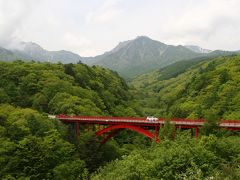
pixel 140 125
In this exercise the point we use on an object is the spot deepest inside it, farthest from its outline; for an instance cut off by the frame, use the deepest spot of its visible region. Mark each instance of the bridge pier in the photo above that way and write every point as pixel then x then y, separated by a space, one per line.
pixel 196 132
pixel 157 132
pixel 141 125
pixel 77 129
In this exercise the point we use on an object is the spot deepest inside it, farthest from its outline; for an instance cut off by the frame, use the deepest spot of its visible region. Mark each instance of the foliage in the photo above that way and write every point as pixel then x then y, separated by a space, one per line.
pixel 181 159
pixel 70 89
pixel 207 87
pixel 33 147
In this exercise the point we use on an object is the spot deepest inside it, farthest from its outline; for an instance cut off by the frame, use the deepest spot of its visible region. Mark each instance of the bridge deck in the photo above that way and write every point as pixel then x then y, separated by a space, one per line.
pixel 142 121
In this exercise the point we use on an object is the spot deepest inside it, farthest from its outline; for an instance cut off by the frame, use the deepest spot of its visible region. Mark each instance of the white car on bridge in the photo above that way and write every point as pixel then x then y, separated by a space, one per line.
pixel 151 118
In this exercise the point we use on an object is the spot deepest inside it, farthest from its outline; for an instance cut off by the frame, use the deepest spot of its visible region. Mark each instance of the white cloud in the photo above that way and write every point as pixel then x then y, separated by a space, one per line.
pixel 105 13
pixel 78 44
pixel 211 24
pixel 92 27
pixel 12 15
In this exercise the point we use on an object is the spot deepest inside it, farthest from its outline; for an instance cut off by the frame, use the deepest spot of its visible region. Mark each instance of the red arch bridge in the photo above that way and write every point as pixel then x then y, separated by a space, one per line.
pixel 113 125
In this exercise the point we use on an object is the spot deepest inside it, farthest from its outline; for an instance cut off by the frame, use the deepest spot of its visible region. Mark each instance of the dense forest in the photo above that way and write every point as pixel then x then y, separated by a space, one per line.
pixel 207 88
pixel 57 88
pixel 183 158
pixel 32 146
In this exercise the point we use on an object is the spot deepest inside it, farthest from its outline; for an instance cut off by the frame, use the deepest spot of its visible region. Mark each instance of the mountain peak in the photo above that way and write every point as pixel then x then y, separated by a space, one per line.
pixel 30 46
pixel 146 39
pixel 142 38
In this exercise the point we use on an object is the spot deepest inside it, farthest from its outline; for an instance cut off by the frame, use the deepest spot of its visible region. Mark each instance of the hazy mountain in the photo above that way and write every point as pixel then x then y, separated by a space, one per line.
pixel 6 54
pixel 32 51
pixel 9 55
pixel 198 49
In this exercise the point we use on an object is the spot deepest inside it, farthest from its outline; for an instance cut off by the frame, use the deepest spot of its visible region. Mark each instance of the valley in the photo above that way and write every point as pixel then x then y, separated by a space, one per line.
pixel 200 88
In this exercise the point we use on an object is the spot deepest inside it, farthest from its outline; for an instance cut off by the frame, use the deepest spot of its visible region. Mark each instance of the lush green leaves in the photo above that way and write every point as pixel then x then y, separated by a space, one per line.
pixel 56 88
pixel 207 87
pixel 31 146
pixel 181 159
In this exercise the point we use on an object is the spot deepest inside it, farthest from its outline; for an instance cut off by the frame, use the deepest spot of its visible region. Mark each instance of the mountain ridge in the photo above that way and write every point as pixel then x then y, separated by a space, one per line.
pixel 129 58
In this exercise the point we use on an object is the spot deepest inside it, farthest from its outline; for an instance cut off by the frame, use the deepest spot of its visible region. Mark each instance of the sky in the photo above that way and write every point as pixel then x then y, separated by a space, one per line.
pixel 91 27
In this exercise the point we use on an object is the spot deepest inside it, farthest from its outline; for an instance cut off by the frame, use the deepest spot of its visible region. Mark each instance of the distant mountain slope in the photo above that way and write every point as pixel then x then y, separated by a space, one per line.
pixel 32 51
pixel 208 89
pixel 138 56
pixel 10 55
pixel 40 54
pixel 165 73
pixel 197 49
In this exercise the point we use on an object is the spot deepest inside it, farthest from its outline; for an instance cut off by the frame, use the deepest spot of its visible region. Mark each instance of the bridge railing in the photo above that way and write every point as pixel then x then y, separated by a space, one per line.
pixel 177 121
pixel 229 123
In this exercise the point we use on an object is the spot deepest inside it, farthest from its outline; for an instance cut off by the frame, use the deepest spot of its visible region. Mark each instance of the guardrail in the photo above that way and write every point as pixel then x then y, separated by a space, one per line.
pixel 177 121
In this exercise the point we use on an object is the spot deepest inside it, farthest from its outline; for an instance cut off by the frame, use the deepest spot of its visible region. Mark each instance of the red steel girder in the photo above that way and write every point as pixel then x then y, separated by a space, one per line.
pixel 133 128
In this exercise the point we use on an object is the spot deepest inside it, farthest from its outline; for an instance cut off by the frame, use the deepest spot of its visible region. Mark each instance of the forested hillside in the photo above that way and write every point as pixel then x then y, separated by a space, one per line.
pixel 184 158
pixel 32 146
pixel 208 88
pixel 57 88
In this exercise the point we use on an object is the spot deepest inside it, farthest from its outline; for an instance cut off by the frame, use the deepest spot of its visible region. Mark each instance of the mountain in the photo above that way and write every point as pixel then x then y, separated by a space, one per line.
pixel 141 55
pixel 33 51
pixel 129 58
pixel 198 49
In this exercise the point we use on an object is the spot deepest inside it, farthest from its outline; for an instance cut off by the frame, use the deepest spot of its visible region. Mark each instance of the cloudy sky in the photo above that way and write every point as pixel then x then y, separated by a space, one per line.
pixel 91 27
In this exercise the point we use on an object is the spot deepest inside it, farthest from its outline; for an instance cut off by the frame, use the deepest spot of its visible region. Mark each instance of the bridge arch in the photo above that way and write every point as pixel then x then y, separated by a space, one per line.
pixel 116 128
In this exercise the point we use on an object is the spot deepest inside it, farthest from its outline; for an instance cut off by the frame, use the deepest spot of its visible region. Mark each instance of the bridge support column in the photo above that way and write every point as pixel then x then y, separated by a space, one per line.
pixel 78 130
pixel 157 133
pixel 196 132
pixel 157 139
